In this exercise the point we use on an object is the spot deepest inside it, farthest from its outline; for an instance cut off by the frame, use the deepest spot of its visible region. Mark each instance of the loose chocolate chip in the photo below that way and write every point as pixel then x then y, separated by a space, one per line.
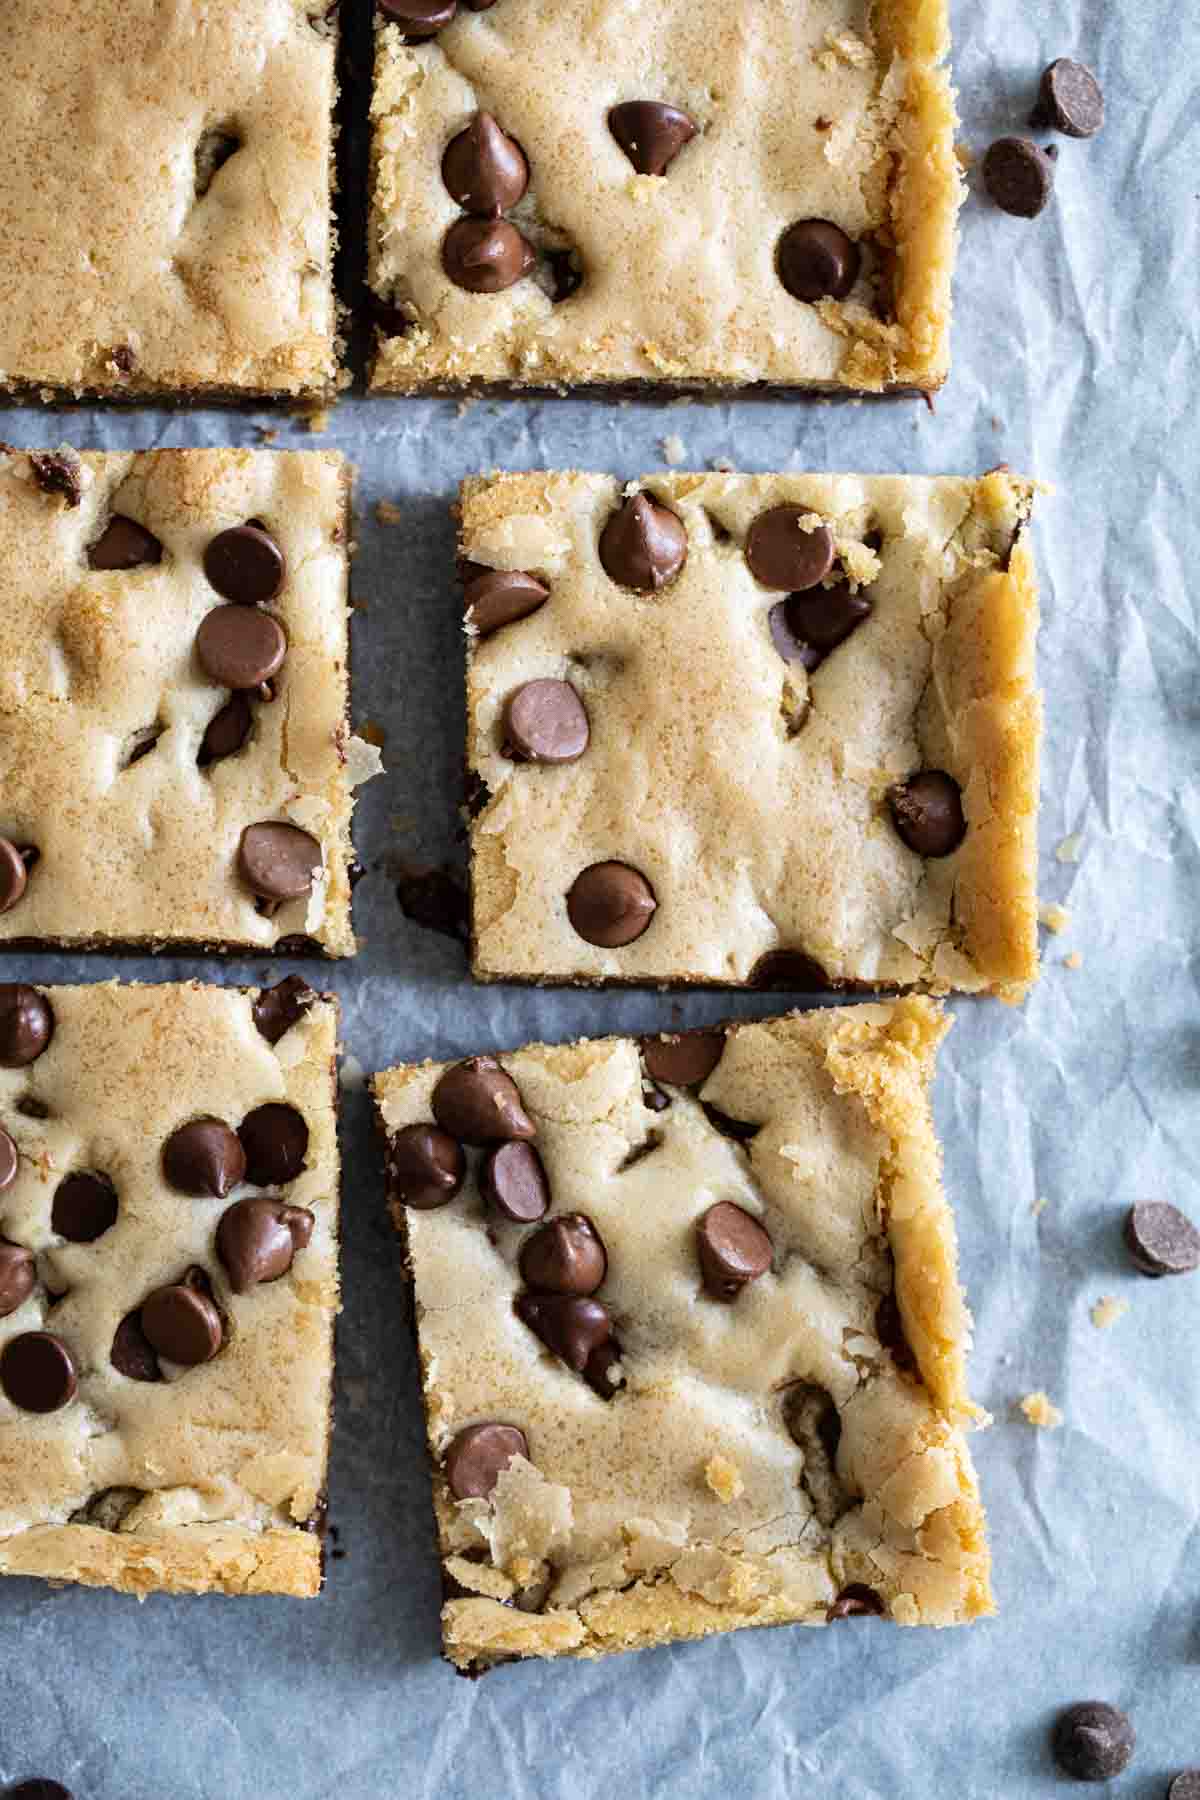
pixel 927 812
pixel 791 648
pixel 1185 1786
pixel 739 1130
pixel 258 1238
pixel 545 721
pixel 59 473
pixel 18 1276
pixel 1070 100
pixel 564 1256
pixel 26 1024
pixel 275 1139
pixel 204 1158
pixel 181 1322
pixel 131 1354
pixel 435 898
pixel 889 1329
pixel 643 545
pixel 815 260
pixel 226 731
pixel 684 1060
pixel 650 133
pixel 124 544
pixel 513 1180
pixel 1092 1741
pixel 39 1788
pixel 485 256
pixel 14 875
pixel 734 1249
pixel 825 617
pixel 419 18
pixel 240 646
pixel 790 972
pixel 855 1601
pixel 1160 1239
pixel 611 904
pixel 245 565
pixel 784 553
pixel 570 1326
pixel 597 1370
pixel 275 1010
pixel 37 1372
pixel 10 1160
pixel 1018 176
pixel 278 861
pixel 484 169
pixel 501 597
pixel 85 1206
pixel 425 1166
pixel 478 1455
pixel 476 1102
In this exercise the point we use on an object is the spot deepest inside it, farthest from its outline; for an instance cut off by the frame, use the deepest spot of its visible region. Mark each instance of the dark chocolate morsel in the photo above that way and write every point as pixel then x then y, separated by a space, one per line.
pixel 10 1160
pixel 18 1276
pixel 204 1158
pixel 790 972
pixel 513 1180
pixel 478 1455
pixel 84 1208
pixel 822 618
pixel 545 721
pixel 26 1024
pixel 782 552
pixel 500 597
pixel 240 646
pixel 257 1240
pixel 611 904
pixel 651 133
pixel 815 260
pixel 425 1166
pixel 1019 176
pixel 419 18
pixel 14 875
pixel 643 545
pixel 245 565
pixel 37 1372
pixel 275 1139
pixel 124 544
pixel 275 1010
pixel 1070 100
pixel 1092 1741
pixel 684 1060
pixel 278 861
pixel 485 256
pixel 855 1600
pixel 927 812
pixel 734 1249
pixel 484 169
pixel 39 1787
pixel 569 1325
pixel 181 1322
pixel 1160 1239
pixel 476 1102
pixel 564 1256
pixel 131 1354
pixel 226 731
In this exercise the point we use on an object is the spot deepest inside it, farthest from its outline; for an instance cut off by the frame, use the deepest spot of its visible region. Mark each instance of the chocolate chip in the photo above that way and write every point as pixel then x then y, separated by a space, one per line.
pixel 739 1130
pixel 1092 1741
pixel 478 1455
pixel 10 1160
pixel 278 861
pixel 684 1060
pixel 823 618
pixel 59 472
pixel 85 1206
pixel 476 1102
pixel 513 1180
pixel 650 133
pixel 784 553
pixel 564 1256
pixel 257 1240
pixel 1018 176
pixel 856 1600
pixel 611 904
pixel 37 1372
pixel 39 1788
pixel 419 18
pixel 131 1354
pixel 597 1370
pixel 889 1329
pixel 1160 1239
pixel 485 256
pixel 568 1325
pixel 227 730
pixel 643 545
pixel 545 721
pixel 1185 1786
pixel 484 169
pixel 124 544
pixel 245 565
pixel 275 1139
pixel 566 273
pixel 26 1024
pixel 275 1010
pixel 14 875
pixel 1070 100
pixel 204 1158
pixel 927 812
pixel 435 898
pixel 791 648
pixel 240 646
pixel 734 1250
pixel 815 260
pixel 501 597
pixel 790 972
pixel 181 1322
pixel 18 1276
pixel 425 1166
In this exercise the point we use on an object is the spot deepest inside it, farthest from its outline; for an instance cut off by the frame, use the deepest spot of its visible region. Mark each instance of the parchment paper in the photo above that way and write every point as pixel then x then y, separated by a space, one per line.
pixel 1075 359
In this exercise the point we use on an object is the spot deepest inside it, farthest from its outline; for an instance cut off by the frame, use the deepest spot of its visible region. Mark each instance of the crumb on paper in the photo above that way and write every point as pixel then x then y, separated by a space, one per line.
pixel 352 1077
pixel 1073 961
pixel 388 513
pixel 724 1479
pixel 1039 1206
pixel 317 419
pixel 1107 1310
pixel 267 433
pixel 721 464
pixel 965 156
pixel 674 452
pixel 1070 848
pixel 372 732
pixel 1054 917
pixel 465 405
pixel 1041 1411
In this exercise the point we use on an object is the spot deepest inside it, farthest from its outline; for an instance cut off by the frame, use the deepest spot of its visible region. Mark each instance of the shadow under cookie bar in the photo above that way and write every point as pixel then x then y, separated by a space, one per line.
pixel 169 1182
pixel 691 1336
pixel 752 731
pixel 178 767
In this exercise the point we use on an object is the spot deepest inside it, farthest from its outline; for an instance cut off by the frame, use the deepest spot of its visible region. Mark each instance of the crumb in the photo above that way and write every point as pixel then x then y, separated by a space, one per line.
pixel 724 1478
pixel 317 419
pixel 1107 1310
pixel 722 465
pixel 673 451
pixel 373 733
pixel 464 406
pixel 1039 1206
pixel 267 433
pixel 352 1077
pixel 964 155
pixel 995 423
pixel 1074 961
pixel 824 123
pixel 1054 917
pixel 1069 850
pixel 388 513
pixel 1041 1411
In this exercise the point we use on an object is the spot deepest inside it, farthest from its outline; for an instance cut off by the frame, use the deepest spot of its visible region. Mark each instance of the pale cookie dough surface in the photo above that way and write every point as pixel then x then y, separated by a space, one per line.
pixel 218 1470
pixel 117 275
pixel 829 109
pixel 684 1506
pixel 750 795
pixel 91 660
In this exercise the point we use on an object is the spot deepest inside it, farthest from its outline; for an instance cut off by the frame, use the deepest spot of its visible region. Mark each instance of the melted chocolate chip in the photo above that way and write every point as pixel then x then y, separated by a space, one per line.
pixel 278 861
pixel 1018 176
pixel 685 1060
pixel 500 597
pixel 124 544
pixel 10 1160
pixel 26 1024
pixel 928 814
pixel 856 1600
pixel 181 1323
pixel 564 1256
pixel 485 256
pixel 478 1455
pixel 59 472
pixel 37 1372
pixel 823 618
pixel 790 972
pixel 425 1167
pixel 257 1240
pixel 476 1102
pixel 790 647
pixel 650 133
pixel 739 1130
pixel 240 646
pixel 275 1139
pixel 226 731
pixel 484 169
pixel 420 18
pixel 204 1158
pixel 733 1248
pixel 815 260
pixel 275 1010
pixel 14 875
pixel 513 1180
pixel 1092 1741
pixel 571 1326
pixel 545 721
pixel 18 1276
pixel 598 1369
pixel 783 552
pixel 131 1354
pixel 85 1207
pixel 643 545
pixel 245 565
pixel 611 904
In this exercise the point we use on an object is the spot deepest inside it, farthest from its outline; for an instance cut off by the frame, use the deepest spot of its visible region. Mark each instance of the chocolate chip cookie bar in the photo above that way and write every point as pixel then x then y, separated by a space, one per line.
pixel 175 760
pixel 166 218
pixel 752 730
pixel 707 194
pixel 168 1284
pixel 691 1334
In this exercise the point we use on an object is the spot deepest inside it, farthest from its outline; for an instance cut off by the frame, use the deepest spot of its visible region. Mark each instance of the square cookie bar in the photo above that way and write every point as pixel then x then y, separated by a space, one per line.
pixel 166 223
pixel 168 1284
pixel 691 1334
pixel 175 761
pixel 753 730
pixel 705 194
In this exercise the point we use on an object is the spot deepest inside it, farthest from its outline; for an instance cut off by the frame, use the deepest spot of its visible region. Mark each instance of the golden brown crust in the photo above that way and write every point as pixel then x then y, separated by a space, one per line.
pixel 196 1559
